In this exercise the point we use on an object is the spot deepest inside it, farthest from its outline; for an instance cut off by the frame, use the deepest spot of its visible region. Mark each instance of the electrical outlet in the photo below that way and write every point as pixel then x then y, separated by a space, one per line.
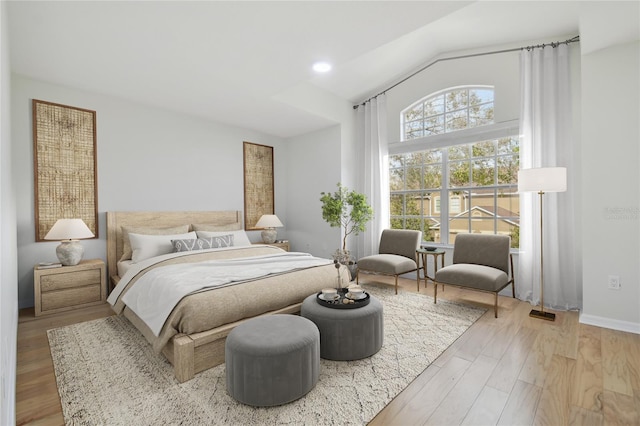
pixel 614 282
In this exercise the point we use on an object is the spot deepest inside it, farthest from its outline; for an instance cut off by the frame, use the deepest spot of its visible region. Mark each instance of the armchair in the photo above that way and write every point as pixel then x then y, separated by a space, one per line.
pixel 396 255
pixel 480 262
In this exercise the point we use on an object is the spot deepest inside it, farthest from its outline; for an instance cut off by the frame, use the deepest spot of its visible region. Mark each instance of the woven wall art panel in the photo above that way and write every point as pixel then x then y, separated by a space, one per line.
pixel 65 175
pixel 258 183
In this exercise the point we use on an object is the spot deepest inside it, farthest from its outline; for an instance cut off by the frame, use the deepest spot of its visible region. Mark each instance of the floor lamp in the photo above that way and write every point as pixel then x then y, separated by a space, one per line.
pixel 541 180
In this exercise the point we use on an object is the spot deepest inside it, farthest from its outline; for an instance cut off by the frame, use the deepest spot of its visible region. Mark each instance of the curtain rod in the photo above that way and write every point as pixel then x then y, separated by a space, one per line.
pixel 472 55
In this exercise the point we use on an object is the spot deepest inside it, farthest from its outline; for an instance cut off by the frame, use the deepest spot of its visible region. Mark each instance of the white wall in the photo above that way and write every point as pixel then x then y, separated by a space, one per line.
pixel 315 168
pixel 8 260
pixel 611 179
pixel 501 71
pixel 319 160
pixel 148 159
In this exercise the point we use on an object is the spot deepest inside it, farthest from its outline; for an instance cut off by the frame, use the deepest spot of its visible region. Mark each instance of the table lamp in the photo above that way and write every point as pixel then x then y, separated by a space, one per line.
pixel 541 180
pixel 269 222
pixel 68 231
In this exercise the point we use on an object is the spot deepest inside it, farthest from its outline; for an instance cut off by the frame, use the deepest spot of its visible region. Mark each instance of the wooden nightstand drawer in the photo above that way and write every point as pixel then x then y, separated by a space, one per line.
pixel 283 245
pixel 69 287
pixel 70 297
pixel 70 280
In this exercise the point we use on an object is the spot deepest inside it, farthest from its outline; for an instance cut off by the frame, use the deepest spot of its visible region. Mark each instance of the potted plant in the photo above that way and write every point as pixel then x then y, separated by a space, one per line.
pixel 350 211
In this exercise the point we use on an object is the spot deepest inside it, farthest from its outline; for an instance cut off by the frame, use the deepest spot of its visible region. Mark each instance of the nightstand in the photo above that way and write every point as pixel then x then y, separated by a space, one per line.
pixel 284 246
pixel 69 287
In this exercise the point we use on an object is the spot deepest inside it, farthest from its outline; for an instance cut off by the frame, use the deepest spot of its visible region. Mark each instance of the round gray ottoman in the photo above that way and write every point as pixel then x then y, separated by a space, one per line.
pixel 346 334
pixel 272 360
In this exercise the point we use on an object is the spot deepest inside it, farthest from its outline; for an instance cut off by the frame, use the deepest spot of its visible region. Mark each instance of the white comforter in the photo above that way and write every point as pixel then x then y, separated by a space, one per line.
pixel 154 295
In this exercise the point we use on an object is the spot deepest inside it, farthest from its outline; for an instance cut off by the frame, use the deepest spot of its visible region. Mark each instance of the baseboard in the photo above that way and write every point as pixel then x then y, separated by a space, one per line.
pixel 627 326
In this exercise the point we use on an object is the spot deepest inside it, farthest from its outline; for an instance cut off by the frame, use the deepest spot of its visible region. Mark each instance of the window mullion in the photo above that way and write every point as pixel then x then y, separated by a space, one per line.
pixel 470 190
pixel 495 186
pixel 404 196
pixel 444 198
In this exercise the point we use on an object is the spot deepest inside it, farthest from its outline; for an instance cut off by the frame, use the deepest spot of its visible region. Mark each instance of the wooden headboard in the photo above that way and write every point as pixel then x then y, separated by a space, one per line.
pixel 116 220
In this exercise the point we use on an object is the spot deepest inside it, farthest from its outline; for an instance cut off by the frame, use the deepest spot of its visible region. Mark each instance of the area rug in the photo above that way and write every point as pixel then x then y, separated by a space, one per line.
pixel 107 373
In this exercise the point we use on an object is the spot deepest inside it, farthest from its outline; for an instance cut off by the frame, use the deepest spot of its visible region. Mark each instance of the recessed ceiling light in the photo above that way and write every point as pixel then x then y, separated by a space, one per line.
pixel 322 67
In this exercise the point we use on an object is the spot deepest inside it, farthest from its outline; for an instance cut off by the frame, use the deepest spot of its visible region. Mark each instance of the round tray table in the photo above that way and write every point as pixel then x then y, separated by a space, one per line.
pixel 339 302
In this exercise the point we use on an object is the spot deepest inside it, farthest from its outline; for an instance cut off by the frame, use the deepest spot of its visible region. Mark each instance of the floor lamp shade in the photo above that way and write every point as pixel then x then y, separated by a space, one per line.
pixel 545 179
pixel 269 222
pixel 68 231
pixel 541 180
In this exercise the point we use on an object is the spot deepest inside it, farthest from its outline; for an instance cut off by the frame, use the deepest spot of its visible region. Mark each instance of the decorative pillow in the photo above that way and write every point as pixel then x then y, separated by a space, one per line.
pixel 147 246
pixel 126 230
pixel 202 243
pixel 240 237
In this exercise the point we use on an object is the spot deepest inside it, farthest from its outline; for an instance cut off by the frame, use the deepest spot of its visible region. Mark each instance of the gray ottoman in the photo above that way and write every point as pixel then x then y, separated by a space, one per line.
pixel 346 334
pixel 272 360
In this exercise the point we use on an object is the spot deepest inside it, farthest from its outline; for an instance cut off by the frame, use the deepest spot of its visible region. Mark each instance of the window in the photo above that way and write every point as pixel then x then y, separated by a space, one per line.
pixel 450 110
pixel 455 204
pixel 458 186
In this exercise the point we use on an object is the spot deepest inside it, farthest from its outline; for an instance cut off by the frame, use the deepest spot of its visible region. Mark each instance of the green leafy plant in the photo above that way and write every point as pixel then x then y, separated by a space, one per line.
pixel 346 209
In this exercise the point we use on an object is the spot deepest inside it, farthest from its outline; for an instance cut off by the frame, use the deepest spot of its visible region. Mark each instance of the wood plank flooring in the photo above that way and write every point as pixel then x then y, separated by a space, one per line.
pixel 511 370
pixel 37 400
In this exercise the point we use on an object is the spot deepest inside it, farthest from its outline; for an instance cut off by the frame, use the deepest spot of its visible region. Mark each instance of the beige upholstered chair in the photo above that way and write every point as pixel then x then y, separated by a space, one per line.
pixel 480 262
pixel 397 255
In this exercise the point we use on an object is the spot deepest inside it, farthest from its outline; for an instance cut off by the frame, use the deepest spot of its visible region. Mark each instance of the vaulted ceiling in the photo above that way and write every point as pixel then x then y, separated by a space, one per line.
pixel 232 61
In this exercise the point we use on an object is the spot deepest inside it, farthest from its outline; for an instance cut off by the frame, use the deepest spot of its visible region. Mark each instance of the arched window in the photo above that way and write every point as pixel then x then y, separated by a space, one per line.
pixel 455 170
pixel 448 110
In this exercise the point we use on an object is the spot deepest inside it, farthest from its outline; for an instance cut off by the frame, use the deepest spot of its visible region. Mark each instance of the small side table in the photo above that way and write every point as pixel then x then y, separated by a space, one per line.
pixel 69 287
pixel 422 253
pixel 283 245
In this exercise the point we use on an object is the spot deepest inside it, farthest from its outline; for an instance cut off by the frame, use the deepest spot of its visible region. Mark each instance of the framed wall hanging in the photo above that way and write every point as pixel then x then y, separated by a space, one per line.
pixel 258 183
pixel 65 165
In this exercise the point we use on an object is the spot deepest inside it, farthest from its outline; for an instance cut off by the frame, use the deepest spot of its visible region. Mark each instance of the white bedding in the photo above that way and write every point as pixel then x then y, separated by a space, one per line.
pixel 123 267
pixel 154 295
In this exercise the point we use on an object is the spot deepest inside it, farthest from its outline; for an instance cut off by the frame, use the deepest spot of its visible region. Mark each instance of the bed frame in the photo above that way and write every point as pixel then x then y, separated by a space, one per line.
pixel 189 354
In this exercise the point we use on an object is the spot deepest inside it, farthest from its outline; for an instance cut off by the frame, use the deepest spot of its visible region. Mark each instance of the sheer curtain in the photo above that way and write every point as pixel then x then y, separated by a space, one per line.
pixel 547 141
pixel 373 170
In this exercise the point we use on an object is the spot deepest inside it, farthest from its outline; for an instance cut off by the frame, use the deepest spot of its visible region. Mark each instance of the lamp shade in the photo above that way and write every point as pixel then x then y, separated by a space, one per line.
pixel 269 221
pixel 543 179
pixel 69 229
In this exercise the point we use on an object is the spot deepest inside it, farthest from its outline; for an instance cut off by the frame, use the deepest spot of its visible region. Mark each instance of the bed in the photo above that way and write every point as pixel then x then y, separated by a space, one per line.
pixel 193 336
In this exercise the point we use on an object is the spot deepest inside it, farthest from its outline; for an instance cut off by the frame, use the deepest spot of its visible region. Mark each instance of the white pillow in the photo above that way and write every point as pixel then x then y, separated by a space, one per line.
pixel 240 237
pixel 147 246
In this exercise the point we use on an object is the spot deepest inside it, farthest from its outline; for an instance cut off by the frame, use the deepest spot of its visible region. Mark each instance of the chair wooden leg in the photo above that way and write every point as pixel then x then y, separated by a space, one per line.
pixel 396 284
pixel 495 307
pixel 418 280
pixel 435 292
pixel 358 277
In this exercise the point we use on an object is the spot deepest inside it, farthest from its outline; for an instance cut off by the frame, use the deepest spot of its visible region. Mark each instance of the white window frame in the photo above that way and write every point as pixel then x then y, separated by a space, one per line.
pixel 448 139
pixel 444 92
pixel 458 198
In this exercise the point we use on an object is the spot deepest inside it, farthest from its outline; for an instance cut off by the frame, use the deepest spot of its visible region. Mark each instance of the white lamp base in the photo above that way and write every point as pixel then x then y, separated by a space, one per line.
pixel 269 235
pixel 69 252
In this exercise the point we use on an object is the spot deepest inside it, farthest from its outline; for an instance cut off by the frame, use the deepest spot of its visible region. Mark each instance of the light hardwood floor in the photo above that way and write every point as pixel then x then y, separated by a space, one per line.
pixel 511 370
